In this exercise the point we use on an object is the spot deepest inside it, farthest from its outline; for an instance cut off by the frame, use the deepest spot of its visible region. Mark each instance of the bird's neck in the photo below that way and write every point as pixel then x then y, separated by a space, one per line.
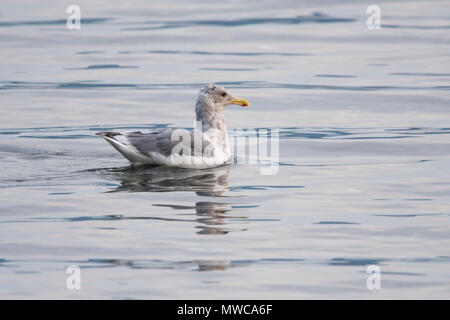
pixel 210 116
pixel 213 126
pixel 213 120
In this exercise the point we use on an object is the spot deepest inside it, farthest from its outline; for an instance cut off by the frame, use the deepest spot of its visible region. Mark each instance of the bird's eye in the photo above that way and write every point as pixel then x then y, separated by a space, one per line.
pixel 224 94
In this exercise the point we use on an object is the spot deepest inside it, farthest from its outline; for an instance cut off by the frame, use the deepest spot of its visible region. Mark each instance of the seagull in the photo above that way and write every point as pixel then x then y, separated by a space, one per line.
pixel 204 147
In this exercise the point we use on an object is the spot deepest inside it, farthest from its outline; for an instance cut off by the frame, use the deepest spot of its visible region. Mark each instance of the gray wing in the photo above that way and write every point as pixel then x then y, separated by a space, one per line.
pixel 162 141
pixel 158 140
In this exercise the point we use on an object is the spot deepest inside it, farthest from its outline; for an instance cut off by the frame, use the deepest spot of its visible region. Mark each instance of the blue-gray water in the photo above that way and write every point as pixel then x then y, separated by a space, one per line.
pixel 364 173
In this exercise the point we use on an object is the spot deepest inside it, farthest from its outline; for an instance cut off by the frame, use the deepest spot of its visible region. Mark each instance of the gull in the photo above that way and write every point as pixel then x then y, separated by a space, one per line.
pixel 204 147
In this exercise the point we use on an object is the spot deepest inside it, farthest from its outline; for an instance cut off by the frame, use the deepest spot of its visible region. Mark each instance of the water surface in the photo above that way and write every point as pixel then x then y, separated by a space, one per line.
pixel 364 150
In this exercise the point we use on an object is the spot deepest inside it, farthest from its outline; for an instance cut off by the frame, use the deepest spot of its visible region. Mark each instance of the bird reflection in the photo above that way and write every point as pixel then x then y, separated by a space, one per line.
pixel 198 265
pixel 209 182
pixel 212 265
pixel 212 216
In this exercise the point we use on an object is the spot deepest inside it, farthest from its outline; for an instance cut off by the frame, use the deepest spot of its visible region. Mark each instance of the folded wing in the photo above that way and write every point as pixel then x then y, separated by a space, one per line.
pixel 162 146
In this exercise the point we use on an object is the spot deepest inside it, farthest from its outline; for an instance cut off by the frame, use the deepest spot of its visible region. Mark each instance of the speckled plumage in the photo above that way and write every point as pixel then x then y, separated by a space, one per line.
pixel 205 147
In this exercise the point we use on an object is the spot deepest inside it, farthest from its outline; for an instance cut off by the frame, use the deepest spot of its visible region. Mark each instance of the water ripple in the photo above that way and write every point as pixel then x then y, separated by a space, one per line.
pixel 223 264
pixel 313 18
pixel 89 85
pixel 51 22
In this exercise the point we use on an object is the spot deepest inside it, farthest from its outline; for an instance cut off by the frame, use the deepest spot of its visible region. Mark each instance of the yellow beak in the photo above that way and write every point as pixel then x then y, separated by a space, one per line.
pixel 240 101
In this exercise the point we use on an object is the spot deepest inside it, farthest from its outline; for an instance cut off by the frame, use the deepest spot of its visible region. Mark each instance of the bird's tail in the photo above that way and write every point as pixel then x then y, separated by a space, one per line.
pixel 108 134
pixel 120 142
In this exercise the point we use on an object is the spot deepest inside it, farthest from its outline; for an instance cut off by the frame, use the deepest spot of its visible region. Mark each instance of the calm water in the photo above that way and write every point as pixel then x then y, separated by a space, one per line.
pixel 364 150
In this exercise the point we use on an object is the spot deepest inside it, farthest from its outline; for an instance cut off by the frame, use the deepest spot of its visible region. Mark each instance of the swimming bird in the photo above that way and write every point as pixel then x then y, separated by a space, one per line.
pixel 206 146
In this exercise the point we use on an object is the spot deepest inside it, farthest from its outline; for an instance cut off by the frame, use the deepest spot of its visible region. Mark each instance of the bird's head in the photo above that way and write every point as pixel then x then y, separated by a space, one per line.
pixel 213 94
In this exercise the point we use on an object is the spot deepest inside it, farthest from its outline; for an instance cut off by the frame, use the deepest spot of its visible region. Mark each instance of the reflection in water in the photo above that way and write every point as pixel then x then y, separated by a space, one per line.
pixel 212 216
pixel 211 265
pixel 197 265
pixel 209 182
